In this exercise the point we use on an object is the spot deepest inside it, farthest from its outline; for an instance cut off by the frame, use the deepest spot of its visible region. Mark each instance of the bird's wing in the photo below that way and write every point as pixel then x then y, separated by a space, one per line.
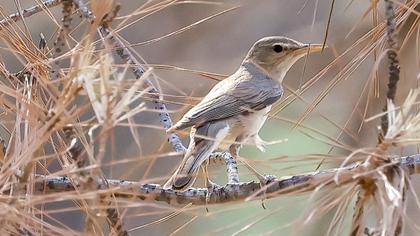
pixel 232 97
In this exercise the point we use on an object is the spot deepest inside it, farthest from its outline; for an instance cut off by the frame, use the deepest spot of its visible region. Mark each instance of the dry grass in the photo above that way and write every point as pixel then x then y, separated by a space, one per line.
pixel 61 111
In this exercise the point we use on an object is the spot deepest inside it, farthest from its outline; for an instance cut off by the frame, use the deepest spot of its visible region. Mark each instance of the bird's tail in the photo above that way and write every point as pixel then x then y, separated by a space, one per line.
pixel 187 173
pixel 204 140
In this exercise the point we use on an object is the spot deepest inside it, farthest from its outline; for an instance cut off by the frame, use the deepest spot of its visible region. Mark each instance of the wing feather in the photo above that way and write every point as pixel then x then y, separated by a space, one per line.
pixel 233 96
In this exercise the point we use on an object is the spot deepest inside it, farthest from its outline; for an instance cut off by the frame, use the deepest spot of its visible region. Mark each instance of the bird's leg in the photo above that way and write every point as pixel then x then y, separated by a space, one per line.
pixel 210 185
pixel 234 151
pixel 207 182
pixel 264 179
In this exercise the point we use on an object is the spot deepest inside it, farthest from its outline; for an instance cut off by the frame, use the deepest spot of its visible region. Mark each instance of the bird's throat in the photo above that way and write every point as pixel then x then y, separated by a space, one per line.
pixel 276 72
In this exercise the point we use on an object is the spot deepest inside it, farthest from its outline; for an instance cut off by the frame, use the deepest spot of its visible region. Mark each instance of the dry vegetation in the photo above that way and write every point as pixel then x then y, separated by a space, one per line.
pixel 60 111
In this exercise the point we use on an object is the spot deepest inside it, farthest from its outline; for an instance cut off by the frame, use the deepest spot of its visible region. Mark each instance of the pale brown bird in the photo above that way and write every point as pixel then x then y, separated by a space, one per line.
pixel 234 111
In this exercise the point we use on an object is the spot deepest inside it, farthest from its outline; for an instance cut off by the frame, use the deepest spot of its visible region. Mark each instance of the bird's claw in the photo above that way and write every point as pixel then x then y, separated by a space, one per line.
pixel 264 181
pixel 210 189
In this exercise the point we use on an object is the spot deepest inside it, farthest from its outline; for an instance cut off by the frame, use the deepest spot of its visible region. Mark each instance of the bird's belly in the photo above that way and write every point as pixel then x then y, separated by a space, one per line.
pixel 253 122
pixel 235 130
pixel 246 127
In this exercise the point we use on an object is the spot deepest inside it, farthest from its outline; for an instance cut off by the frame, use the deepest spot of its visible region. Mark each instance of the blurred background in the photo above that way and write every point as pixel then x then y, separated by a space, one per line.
pixel 218 46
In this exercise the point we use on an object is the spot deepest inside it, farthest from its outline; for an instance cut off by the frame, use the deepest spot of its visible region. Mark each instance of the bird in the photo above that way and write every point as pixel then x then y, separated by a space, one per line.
pixel 236 108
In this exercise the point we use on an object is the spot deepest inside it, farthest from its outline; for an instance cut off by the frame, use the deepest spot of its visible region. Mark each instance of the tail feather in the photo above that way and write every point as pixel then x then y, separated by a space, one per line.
pixel 198 152
pixel 188 171
pixel 183 182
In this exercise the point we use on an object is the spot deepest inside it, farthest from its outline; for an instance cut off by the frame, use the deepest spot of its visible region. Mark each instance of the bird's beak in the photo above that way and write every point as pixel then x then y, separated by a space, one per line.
pixel 309 48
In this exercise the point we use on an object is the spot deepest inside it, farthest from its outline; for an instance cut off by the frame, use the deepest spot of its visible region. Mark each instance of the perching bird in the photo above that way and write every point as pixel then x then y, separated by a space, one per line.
pixel 234 111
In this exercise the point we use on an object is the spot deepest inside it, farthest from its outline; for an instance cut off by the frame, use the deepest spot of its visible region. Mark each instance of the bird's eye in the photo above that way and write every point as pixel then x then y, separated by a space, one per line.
pixel 278 48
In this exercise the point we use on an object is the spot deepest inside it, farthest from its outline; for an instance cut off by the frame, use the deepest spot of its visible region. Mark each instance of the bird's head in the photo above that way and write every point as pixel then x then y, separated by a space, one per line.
pixel 276 54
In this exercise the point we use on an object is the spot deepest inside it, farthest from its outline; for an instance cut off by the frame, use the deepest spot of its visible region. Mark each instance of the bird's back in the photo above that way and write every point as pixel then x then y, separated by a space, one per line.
pixel 249 89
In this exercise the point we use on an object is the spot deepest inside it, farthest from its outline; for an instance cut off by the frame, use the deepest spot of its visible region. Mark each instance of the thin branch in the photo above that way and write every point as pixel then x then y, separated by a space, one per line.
pixel 228 193
pixel 164 116
pixel 125 54
pixel 113 217
pixel 28 12
pixel 231 165
pixel 393 78
pixel 392 54
pixel 60 41
pixel 138 71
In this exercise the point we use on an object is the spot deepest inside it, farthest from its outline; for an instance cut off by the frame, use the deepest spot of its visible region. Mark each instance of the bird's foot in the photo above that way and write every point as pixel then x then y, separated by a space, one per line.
pixel 260 143
pixel 211 186
pixel 260 177
pixel 267 179
pixel 264 181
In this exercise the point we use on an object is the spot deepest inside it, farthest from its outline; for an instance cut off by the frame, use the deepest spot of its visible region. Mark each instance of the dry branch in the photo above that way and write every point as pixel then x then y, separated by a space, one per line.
pixel 28 12
pixel 392 55
pixel 368 184
pixel 110 39
pixel 231 165
pixel 125 54
pixel 228 193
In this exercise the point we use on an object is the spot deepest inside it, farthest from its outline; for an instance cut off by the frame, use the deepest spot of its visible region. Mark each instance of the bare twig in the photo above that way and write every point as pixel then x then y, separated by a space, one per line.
pixel 81 5
pixel 394 67
pixel 228 193
pixel 28 12
pixel 393 77
pixel 123 52
pixel 138 71
pixel 60 41
pixel 231 165
pixel 113 217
